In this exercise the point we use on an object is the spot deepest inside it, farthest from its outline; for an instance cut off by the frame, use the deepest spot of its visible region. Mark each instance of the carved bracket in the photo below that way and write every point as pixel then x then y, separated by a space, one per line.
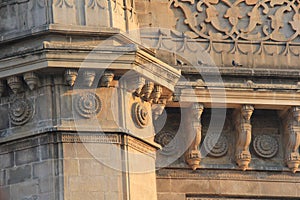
pixel 243 125
pixel 157 109
pixel 107 78
pixel 193 156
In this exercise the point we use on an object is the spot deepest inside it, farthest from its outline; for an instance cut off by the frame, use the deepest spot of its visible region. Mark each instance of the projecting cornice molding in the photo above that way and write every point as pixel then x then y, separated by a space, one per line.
pixel 233 98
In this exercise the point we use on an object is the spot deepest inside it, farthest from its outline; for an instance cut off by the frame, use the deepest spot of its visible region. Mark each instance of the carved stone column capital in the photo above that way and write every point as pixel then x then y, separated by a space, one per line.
pixel 247 111
pixel 296 113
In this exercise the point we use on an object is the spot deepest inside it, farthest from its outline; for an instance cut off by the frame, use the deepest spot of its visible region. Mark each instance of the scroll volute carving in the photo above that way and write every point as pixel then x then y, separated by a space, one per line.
pixel 193 156
pixel 243 125
pixel 292 139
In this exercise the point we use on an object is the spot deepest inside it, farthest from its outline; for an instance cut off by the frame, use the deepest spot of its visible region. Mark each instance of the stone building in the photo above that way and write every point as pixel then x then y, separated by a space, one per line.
pixel 149 99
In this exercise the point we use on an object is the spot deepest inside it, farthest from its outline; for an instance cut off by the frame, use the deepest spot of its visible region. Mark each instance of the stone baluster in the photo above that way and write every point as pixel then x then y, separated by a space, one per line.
pixel 243 125
pixel 193 156
pixel 292 138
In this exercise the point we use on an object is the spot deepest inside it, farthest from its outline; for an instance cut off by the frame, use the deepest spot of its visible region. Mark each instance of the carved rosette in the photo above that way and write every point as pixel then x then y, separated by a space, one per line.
pixel 20 112
pixel 216 145
pixel 205 20
pixel 140 115
pixel 87 105
pixel 265 146
pixel 164 138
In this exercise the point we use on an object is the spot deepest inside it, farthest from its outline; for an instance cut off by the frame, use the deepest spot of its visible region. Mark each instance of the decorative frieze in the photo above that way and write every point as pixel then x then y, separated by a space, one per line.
pixel 243 126
pixel 99 138
pixel 87 104
pixel 193 156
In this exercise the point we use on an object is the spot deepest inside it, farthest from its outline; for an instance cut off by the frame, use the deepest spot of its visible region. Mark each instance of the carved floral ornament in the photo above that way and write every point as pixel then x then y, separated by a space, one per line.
pixel 216 145
pixel 265 146
pixel 140 114
pixel 87 105
pixel 20 112
pixel 242 21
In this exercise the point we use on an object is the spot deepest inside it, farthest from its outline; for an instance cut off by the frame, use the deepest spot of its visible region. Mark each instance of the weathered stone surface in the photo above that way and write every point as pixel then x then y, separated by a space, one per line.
pixel 43 169
pixel 19 174
pixel 67 131
pixel 7 160
pixel 27 156
pixel 28 189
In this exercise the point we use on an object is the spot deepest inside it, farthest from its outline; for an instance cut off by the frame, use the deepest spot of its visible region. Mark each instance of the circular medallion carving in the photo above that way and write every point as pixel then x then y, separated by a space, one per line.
pixel 88 105
pixel 168 141
pixel 140 114
pixel 164 138
pixel 265 146
pixel 21 111
pixel 215 145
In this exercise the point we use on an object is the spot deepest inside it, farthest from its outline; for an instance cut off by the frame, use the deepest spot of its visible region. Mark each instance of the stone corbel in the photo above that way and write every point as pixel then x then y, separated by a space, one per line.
pixel 88 78
pixel 293 140
pixel 147 90
pixel 139 84
pixel 106 79
pixel 193 156
pixel 2 87
pixel 15 83
pixel 71 76
pixel 157 109
pixel 31 80
pixel 243 125
pixel 156 94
